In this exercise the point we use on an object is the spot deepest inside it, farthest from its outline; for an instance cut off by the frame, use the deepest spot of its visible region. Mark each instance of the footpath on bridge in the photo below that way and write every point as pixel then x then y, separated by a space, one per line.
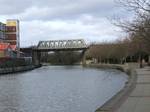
pixel 139 99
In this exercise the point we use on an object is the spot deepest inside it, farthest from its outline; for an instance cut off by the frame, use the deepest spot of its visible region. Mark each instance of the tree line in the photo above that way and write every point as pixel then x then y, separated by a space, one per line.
pixel 136 46
pixel 139 28
pixel 118 52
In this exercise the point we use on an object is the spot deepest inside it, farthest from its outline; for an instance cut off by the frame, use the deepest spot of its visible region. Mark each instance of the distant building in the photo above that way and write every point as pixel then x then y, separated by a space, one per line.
pixel 13 34
pixel 10 34
pixel 7 51
pixel 2 31
pixel 10 38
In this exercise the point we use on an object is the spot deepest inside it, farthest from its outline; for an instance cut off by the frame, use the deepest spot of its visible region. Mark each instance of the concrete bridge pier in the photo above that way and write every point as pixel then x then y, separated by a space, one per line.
pixel 83 57
pixel 36 58
pixel 149 59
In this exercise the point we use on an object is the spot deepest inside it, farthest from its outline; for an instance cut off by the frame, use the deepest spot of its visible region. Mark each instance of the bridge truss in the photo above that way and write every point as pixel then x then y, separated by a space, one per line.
pixel 78 44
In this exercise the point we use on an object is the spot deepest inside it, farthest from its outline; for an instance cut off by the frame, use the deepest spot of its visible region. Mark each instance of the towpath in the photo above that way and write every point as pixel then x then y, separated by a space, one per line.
pixel 139 99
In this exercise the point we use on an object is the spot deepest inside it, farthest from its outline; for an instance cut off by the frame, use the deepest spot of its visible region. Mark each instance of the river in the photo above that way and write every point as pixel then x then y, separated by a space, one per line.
pixel 59 89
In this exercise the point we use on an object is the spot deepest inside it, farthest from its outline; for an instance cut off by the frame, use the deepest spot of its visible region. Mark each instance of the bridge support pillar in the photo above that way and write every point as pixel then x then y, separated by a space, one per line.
pixel 36 58
pixel 83 57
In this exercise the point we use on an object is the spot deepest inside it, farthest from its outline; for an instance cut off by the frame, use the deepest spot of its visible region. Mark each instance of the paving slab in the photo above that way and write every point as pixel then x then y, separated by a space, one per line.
pixel 129 105
pixel 143 72
pixel 141 90
pixel 143 79
pixel 143 105
pixel 136 104
pixel 139 99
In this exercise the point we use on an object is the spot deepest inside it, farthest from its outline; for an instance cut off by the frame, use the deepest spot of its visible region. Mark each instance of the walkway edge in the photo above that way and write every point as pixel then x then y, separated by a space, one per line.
pixel 13 70
pixel 115 102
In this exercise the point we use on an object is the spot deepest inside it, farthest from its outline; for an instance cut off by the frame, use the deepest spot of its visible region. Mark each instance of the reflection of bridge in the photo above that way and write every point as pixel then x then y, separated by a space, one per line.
pixel 58 45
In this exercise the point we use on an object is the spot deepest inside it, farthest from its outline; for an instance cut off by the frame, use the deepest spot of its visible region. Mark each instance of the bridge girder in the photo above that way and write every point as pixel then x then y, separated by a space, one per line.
pixel 77 44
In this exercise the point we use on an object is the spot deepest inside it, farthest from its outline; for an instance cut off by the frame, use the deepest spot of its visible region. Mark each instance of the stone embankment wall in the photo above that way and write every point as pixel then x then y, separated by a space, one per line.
pixel 17 69
pixel 116 101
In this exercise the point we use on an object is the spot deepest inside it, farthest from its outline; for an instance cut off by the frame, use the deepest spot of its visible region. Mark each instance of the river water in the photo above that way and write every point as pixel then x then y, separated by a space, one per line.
pixel 59 89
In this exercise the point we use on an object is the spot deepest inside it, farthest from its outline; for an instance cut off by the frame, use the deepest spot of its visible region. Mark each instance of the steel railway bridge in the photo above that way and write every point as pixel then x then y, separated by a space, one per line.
pixel 58 45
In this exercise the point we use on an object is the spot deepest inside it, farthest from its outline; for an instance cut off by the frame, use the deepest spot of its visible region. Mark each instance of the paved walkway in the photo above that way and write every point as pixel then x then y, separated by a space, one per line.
pixel 139 99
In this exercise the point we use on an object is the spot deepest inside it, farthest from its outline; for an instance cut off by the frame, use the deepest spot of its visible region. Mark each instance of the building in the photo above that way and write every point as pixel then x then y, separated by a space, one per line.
pixel 12 34
pixel 10 54
pixel 7 51
pixel 9 33
pixel 2 31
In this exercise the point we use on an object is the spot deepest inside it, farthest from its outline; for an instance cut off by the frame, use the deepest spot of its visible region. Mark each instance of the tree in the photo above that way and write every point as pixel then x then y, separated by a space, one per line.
pixel 137 6
pixel 139 28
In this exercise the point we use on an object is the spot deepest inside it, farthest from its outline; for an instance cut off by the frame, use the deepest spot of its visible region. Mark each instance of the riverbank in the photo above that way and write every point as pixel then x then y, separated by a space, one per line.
pixel 17 69
pixel 115 102
pixel 139 99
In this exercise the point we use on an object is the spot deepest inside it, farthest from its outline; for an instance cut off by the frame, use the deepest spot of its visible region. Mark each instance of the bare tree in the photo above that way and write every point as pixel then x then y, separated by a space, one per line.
pixel 136 5
pixel 139 28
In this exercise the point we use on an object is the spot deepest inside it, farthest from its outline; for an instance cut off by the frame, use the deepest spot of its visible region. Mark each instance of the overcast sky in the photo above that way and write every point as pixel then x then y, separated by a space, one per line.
pixel 63 19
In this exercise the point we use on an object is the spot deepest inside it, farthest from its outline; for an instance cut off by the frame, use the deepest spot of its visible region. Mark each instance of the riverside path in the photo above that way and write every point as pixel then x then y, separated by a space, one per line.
pixel 139 99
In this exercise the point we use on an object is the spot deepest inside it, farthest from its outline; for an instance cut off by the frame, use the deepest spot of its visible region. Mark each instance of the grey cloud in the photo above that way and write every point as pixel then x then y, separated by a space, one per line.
pixel 13 6
pixel 34 31
pixel 61 19
pixel 52 9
